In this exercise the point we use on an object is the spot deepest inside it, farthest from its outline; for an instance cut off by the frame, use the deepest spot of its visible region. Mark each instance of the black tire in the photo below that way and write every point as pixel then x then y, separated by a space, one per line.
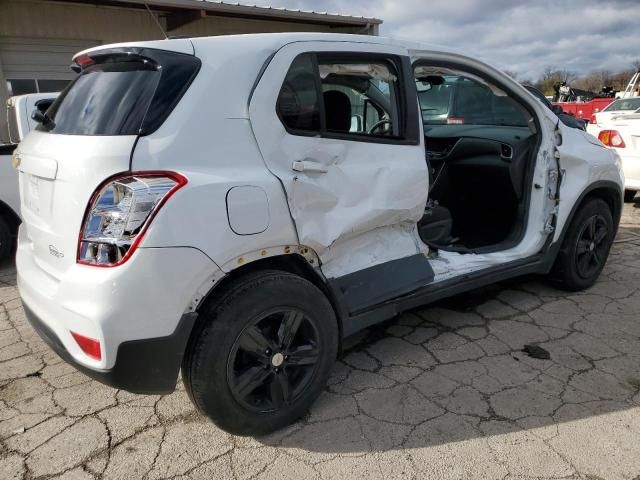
pixel 226 352
pixel 629 195
pixel 6 240
pixel 585 247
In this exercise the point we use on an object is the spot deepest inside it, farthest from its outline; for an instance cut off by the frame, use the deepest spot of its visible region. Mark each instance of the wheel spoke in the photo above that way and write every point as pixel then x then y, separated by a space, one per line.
pixel 306 355
pixel 583 247
pixel 601 234
pixel 280 389
pixel 255 342
pixel 592 228
pixel 596 258
pixel 584 263
pixel 289 327
pixel 249 380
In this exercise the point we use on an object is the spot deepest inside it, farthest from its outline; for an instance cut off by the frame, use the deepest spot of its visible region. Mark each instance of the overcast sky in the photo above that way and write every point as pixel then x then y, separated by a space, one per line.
pixel 521 36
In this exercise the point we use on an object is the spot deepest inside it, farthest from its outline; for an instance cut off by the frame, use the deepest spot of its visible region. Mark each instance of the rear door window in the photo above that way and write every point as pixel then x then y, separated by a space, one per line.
pixel 122 94
pixel 347 96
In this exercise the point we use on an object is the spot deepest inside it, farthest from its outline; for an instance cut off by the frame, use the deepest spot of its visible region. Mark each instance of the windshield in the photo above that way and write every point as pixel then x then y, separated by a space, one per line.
pixel 435 102
pixel 463 100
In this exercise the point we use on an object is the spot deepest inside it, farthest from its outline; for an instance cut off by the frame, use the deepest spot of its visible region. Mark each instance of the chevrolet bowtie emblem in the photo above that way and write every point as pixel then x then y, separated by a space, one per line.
pixel 15 160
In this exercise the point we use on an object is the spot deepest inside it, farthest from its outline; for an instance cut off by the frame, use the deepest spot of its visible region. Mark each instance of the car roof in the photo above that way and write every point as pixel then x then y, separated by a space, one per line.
pixel 270 40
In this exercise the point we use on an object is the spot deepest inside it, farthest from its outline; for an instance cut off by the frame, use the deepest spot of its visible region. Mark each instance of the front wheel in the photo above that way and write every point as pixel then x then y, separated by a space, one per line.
pixel 262 353
pixel 586 246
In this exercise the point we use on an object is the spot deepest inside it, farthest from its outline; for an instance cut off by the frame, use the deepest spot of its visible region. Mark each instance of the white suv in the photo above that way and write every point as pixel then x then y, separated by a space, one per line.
pixel 236 206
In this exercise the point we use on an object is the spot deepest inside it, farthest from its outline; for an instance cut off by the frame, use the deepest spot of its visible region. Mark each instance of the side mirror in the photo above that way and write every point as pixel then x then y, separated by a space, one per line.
pixel 427 82
pixel 557 109
pixel 43 119
pixel 38 115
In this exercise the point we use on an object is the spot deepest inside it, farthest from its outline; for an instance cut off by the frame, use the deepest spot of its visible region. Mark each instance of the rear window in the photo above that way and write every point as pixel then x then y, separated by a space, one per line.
pixel 124 93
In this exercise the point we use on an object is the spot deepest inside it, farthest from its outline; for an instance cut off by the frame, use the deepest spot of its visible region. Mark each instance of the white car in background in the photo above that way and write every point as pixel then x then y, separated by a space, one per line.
pixel 622 134
pixel 621 107
pixel 19 121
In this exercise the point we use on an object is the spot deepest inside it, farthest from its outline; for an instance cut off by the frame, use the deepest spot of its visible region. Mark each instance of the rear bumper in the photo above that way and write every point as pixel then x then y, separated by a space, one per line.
pixel 140 312
pixel 147 366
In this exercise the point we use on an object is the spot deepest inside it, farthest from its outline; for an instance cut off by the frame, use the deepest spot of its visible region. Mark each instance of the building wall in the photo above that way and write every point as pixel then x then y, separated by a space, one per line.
pixel 56 25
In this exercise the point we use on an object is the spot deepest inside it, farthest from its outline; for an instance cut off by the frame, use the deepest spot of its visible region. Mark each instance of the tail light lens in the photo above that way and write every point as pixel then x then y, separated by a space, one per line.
pixel 88 345
pixel 119 213
pixel 611 138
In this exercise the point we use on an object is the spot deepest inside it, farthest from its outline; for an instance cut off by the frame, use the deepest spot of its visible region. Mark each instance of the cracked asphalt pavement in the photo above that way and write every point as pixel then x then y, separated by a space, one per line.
pixel 442 392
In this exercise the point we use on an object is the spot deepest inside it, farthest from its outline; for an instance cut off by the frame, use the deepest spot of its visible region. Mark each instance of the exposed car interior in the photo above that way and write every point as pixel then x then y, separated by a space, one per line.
pixel 479 147
pixel 357 98
pixel 479 142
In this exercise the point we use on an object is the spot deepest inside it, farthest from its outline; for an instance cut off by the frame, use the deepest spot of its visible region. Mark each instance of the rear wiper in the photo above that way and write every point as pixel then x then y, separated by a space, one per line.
pixel 43 119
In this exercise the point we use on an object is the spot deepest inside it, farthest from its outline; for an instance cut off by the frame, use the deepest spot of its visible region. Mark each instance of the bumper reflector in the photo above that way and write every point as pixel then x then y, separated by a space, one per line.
pixel 88 345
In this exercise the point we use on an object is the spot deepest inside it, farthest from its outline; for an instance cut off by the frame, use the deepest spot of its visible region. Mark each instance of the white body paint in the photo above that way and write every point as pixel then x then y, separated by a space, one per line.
pixel 21 108
pixel 224 136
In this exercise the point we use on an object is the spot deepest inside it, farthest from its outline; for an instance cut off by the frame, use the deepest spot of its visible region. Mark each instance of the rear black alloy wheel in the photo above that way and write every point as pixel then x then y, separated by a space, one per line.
pixel 261 352
pixel 592 247
pixel 273 360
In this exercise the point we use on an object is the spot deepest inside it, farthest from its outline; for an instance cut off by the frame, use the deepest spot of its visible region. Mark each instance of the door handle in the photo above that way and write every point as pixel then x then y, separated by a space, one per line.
pixel 309 166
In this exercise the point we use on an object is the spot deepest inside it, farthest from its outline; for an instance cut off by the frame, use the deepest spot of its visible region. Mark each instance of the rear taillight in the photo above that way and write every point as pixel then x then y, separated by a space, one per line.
pixel 89 346
pixel 455 121
pixel 119 213
pixel 611 138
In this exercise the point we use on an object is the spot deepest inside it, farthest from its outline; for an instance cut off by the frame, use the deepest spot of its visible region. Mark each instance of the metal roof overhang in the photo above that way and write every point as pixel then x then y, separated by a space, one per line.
pixel 186 11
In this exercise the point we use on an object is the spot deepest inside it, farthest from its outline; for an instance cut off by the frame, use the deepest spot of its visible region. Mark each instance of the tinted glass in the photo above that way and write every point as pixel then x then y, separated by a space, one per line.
pixel 360 97
pixel 46 86
pixel 21 87
pixel 435 102
pixel 128 92
pixel 298 105
pixel 106 99
pixel 467 101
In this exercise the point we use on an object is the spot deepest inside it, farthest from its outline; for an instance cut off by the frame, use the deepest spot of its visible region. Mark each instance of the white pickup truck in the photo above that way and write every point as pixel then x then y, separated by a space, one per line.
pixel 20 123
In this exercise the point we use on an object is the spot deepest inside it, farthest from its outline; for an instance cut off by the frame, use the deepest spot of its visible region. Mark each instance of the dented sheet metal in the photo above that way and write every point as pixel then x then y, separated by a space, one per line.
pixel 380 245
pixel 354 202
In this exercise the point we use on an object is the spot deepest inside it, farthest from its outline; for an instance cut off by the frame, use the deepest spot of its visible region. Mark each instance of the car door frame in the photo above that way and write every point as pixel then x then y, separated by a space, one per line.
pixel 371 251
pixel 542 204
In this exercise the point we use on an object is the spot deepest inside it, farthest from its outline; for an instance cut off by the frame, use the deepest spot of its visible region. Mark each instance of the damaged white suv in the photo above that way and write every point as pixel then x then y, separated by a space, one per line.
pixel 236 206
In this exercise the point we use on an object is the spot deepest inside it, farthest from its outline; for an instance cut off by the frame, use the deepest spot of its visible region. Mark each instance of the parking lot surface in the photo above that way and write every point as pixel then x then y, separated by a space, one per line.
pixel 442 392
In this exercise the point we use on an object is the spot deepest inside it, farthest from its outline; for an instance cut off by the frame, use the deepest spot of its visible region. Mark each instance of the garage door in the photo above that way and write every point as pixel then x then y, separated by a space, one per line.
pixel 33 65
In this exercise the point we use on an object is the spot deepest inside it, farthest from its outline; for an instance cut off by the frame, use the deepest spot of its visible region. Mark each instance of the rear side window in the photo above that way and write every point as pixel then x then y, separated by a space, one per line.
pixel 123 94
pixel 298 102
pixel 348 96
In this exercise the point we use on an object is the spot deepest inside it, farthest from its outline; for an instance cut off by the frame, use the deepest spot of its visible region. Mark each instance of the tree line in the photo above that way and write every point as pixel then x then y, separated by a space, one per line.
pixel 593 81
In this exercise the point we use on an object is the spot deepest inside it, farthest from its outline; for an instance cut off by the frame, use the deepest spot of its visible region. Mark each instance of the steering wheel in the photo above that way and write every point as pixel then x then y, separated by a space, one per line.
pixel 378 124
